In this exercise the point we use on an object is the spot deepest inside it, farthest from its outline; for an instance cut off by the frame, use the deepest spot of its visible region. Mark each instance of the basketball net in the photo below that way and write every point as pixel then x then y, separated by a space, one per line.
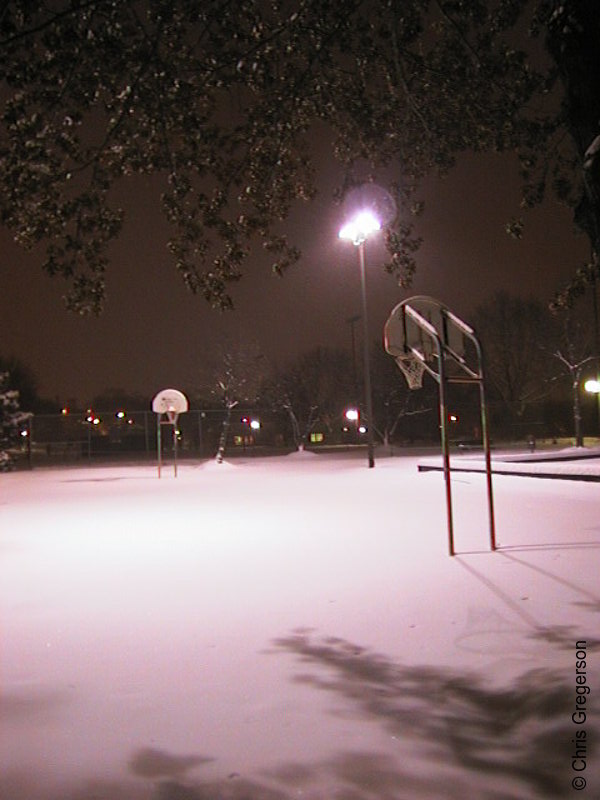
pixel 172 415
pixel 412 369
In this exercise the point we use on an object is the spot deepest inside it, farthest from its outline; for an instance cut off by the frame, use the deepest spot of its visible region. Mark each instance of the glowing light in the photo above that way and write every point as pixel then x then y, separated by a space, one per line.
pixel 89 418
pixel 24 434
pixel 362 429
pixel 453 418
pixel 120 415
pixel 96 421
pixel 592 386
pixel 255 425
pixel 352 414
pixel 64 411
pixel 360 227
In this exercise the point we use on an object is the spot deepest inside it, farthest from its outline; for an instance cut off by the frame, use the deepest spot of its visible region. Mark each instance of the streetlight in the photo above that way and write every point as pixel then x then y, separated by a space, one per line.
pixel 357 231
pixel 592 386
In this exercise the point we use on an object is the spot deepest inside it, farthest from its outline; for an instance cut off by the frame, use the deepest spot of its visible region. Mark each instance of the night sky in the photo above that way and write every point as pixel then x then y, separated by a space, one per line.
pixel 155 334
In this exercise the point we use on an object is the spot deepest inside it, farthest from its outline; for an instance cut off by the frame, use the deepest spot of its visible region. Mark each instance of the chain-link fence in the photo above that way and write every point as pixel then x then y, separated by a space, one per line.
pixel 95 436
pixel 81 438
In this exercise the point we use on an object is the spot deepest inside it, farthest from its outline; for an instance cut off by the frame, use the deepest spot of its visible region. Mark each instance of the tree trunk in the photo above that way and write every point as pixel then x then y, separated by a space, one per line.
pixel 577 414
pixel 223 437
pixel 295 428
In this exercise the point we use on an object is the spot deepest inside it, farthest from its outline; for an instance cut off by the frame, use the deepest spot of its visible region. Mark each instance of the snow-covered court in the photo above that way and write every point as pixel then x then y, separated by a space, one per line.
pixel 293 627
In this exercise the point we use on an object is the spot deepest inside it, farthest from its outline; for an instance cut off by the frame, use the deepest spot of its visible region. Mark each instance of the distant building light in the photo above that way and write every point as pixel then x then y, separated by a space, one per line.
pixel 362 429
pixel 25 434
pixel 96 421
pixel 453 418
pixel 64 411
pixel 89 418
pixel 120 415
pixel 315 438
pixel 255 424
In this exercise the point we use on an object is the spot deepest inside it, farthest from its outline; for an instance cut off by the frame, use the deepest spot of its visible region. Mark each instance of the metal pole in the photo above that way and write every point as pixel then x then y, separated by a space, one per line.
pixel 352 322
pixel 29 448
pixel 488 462
pixel 174 428
pixel 368 397
pixel 200 441
pixel 146 434
pixel 445 444
pixel 158 443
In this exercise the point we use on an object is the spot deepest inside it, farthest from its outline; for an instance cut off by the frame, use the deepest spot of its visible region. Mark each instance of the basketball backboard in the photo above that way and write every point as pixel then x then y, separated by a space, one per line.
pixel 403 334
pixel 170 401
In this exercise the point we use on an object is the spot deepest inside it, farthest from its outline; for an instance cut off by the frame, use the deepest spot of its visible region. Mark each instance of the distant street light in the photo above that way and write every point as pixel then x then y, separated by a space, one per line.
pixel 357 231
pixel 592 386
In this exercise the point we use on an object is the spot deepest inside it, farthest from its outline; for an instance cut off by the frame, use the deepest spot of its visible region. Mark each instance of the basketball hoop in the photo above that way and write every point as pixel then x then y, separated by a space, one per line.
pixel 172 415
pixel 169 403
pixel 422 335
pixel 413 370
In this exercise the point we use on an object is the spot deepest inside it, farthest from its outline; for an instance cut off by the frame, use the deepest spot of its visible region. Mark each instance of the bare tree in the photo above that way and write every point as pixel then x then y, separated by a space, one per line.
pixel 517 337
pixel 574 353
pixel 392 399
pixel 317 386
pixel 237 375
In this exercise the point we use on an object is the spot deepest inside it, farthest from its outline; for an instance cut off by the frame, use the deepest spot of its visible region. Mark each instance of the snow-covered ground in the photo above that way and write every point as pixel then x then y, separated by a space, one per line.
pixel 293 627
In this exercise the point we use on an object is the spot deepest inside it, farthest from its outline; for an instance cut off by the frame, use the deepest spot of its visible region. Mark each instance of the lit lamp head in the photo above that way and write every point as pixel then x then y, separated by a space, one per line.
pixel 592 386
pixel 360 227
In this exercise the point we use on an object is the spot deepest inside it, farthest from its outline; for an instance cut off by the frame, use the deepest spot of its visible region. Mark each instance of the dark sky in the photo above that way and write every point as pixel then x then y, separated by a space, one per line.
pixel 154 334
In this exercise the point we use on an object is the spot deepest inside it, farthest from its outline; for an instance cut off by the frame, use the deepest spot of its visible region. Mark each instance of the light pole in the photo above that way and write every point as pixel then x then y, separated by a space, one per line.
pixel 352 322
pixel 357 231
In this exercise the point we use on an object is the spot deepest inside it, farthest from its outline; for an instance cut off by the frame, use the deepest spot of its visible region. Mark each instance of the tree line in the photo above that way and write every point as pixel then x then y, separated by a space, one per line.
pixel 535 360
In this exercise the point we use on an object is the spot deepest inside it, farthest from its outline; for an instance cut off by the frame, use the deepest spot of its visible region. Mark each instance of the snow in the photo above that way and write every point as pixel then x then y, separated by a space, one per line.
pixel 293 627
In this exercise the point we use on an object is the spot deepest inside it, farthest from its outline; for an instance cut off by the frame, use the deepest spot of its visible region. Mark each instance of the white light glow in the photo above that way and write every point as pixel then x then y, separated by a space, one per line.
pixel 352 414
pixel 360 227
pixel 592 386
pixel 255 425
